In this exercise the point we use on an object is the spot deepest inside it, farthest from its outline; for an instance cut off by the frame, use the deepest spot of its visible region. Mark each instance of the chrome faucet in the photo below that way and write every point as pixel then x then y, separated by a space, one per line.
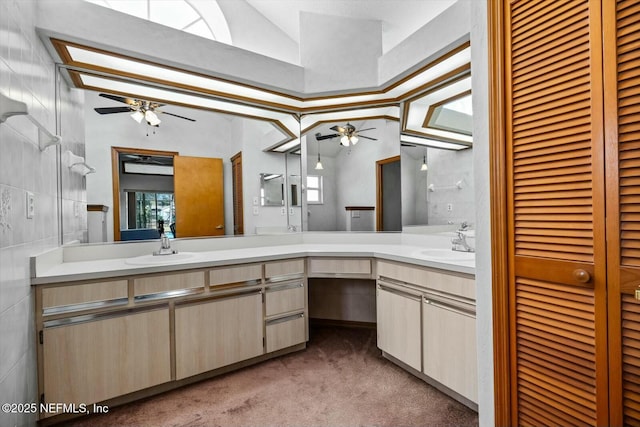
pixel 165 243
pixel 460 242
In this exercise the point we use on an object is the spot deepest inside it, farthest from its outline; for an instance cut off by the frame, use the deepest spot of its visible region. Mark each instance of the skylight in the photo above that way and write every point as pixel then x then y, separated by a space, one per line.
pixel 201 18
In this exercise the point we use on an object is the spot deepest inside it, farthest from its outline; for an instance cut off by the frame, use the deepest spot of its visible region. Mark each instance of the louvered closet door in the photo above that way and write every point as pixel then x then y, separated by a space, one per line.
pixel 622 92
pixel 556 213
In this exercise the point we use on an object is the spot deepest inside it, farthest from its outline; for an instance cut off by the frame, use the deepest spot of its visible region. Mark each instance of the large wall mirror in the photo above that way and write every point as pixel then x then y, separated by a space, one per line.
pixel 372 158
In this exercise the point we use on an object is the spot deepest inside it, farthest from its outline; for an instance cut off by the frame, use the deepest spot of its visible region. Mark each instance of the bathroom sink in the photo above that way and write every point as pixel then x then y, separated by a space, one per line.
pixel 161 259
pixel 439 254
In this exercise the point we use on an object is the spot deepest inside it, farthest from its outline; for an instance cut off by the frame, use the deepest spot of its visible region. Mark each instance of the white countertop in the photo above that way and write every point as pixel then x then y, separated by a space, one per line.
pixel 86 262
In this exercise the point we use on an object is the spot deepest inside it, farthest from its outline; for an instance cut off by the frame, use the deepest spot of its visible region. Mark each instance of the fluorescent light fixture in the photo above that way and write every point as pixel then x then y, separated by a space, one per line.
pixel 81 55
pixel 426 142
pixel 143 168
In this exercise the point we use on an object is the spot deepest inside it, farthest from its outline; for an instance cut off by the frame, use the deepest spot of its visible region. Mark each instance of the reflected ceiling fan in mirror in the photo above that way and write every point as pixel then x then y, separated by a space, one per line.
pixel 348 134
pixel 139 108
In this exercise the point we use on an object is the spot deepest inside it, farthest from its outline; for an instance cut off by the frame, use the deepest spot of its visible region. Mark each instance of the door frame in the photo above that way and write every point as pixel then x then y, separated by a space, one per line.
pixel 499 216
pixel 379 195
pixel 115 178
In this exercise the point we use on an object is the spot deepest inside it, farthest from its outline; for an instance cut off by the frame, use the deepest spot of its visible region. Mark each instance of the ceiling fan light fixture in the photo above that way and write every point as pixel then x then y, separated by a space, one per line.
pixel 152 118
pixel 137 116
pixel 344 140
pixel 354 140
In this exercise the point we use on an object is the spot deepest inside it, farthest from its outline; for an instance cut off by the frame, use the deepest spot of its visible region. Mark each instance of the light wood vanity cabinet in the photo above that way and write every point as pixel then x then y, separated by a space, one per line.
pixel 86 361
pixel 101 340
pixel 426 320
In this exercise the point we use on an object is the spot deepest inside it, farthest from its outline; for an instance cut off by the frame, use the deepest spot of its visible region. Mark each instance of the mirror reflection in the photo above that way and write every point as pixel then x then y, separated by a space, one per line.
pixel 271 189
pixel 197 174
pixel 437 186
pixel 352 167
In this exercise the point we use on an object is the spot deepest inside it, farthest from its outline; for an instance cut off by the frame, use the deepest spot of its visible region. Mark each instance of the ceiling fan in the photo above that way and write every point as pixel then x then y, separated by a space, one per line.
pixel 141 109
pixel 348 134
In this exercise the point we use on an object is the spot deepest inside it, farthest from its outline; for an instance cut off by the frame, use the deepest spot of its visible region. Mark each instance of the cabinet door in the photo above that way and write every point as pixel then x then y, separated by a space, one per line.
pixel 398 316
pixel 88 362
pixel 217 333
pixel 449 348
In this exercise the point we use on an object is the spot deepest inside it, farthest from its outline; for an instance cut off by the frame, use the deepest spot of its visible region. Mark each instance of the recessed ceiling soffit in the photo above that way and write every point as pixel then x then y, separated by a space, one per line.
pixel 100 70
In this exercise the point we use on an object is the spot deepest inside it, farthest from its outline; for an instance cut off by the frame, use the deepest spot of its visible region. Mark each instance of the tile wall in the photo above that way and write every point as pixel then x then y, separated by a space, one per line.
pixel 448 204
pixel 27 74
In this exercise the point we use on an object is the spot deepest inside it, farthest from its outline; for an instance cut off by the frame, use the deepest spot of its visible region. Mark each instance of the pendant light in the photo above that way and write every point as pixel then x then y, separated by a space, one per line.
pixel 424 166
pixel 319 164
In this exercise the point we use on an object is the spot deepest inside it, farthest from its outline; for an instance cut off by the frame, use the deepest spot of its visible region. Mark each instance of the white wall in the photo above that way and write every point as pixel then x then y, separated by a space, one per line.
pixel 339 53
pixel 481 159
pixel 252 31
pixel 27 75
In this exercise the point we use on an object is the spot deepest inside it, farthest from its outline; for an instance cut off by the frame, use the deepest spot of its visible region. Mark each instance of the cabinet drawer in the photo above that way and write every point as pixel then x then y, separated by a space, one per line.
pixel 285 297
pixel 170 282
pixel 285 332
pixel 282 269
pixel 450 283
pixel 77 297
pixel 331 267
pixel 237 274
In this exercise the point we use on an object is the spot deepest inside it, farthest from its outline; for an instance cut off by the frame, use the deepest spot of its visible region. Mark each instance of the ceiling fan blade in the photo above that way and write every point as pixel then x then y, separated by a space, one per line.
pixel 321 137
pixel 111 110
pixel 175 115
pixel 338 129
pixel 129 101
pixel 362 130
pixel 367 137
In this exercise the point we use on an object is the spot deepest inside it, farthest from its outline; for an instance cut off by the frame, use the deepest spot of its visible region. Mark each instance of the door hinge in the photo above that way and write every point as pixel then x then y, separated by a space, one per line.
pixel 41 336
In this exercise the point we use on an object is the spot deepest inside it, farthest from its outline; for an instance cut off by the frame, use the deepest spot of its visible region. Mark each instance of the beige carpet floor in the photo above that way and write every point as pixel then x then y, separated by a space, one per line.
pixel 339 380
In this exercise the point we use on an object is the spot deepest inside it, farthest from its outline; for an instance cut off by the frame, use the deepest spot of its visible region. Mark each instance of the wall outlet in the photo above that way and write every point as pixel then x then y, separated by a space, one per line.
pixel 255 210
pixel 255 201
pixel 449 207
pixel 283 211
pixel 31 205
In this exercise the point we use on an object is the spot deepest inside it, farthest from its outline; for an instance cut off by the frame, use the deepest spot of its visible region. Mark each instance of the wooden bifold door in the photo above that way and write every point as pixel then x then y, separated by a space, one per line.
pixel 569 104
